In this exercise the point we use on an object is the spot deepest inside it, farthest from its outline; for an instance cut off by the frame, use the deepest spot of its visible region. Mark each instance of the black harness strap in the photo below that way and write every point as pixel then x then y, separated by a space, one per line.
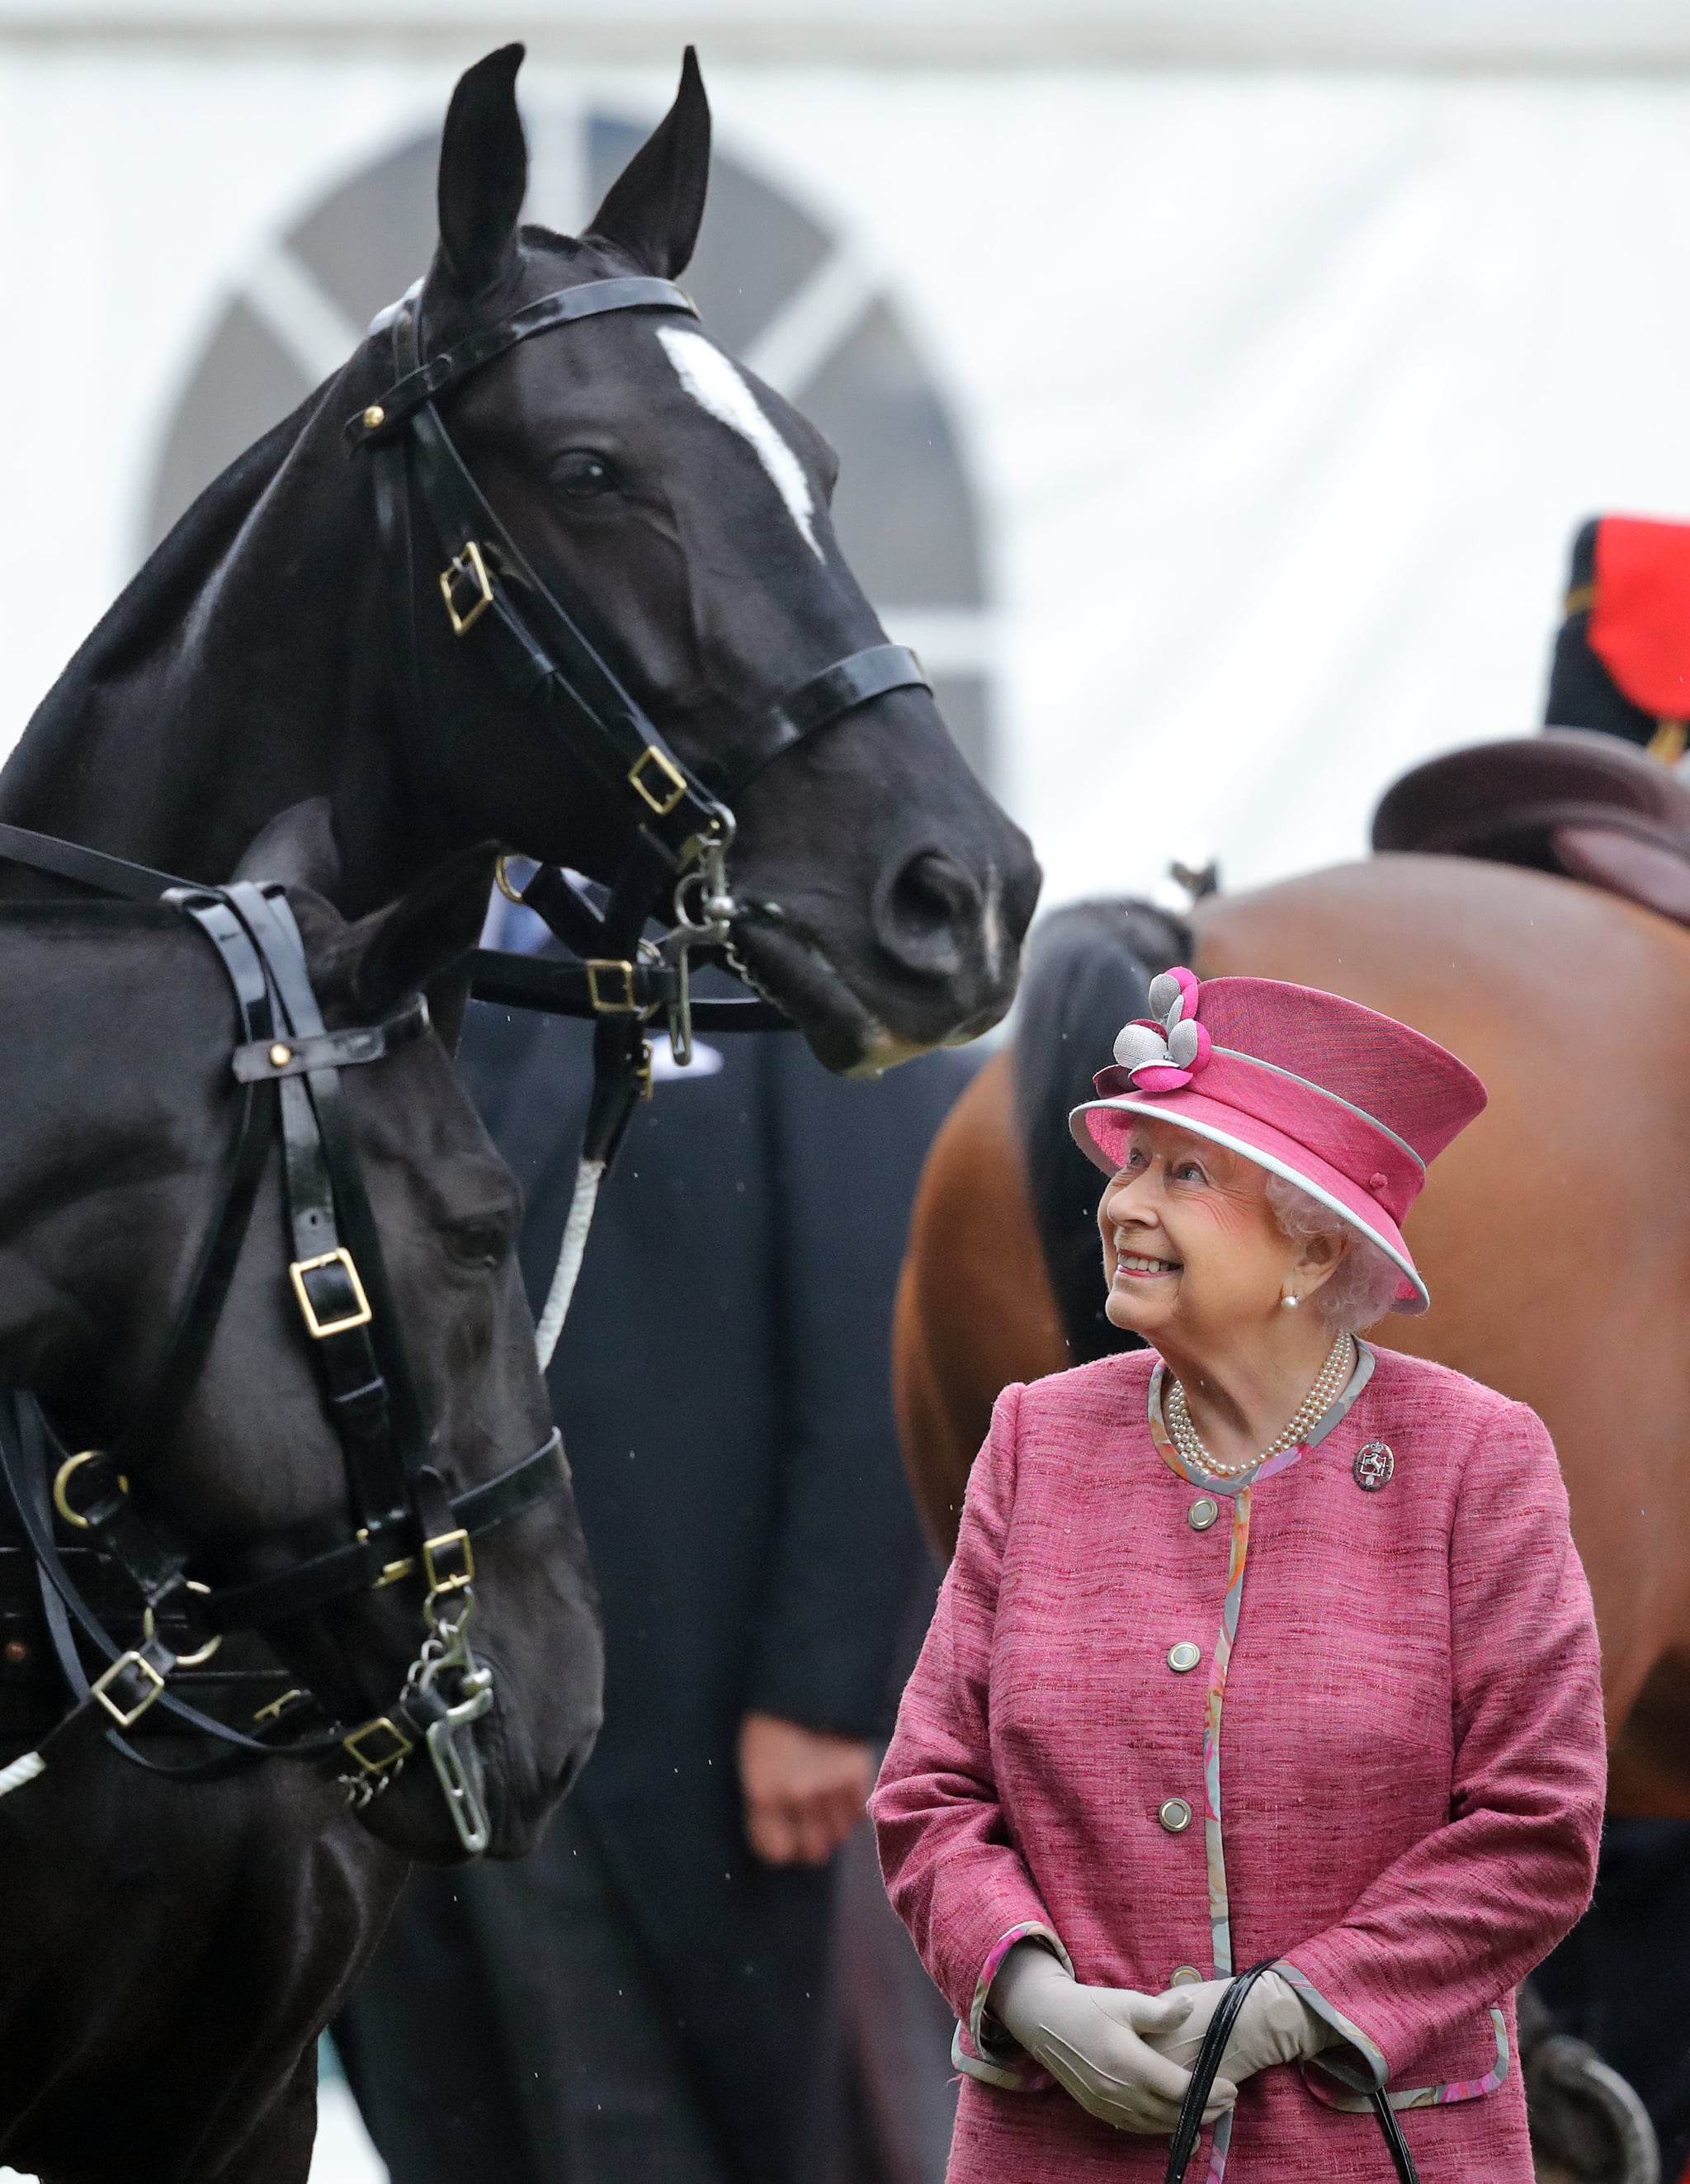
pixel 591 989
pixel 563 307
pixel 285 1062
pixel 841 688
pixel 341 1289
pixel 349 1049
pixel 91 868
pixel 581 698
pixel 190 1339
pixel 311 1580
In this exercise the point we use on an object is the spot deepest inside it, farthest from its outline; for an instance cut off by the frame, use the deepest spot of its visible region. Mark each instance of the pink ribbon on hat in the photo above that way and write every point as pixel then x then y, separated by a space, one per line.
pixel 1164 1051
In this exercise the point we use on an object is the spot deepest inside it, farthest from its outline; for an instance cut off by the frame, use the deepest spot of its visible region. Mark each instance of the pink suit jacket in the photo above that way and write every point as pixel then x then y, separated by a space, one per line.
pixel 1391 1752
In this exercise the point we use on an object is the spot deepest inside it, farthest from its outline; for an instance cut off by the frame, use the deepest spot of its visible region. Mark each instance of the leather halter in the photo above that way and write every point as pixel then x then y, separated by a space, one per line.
pixel 537 637
pixel 403 1518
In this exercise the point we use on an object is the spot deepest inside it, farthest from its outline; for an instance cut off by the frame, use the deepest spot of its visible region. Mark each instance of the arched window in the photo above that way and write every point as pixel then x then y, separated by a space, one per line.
pixel 774 285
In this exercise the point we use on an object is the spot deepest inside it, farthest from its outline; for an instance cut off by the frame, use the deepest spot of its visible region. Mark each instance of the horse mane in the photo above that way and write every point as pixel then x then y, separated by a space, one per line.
pixel 1089 971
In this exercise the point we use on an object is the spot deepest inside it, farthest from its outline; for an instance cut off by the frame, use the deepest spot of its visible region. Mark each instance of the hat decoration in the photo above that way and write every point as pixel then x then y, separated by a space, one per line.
pixel 1164 1051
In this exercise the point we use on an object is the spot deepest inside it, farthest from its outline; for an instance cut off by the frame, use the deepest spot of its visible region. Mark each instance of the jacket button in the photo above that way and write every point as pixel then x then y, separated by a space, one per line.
pixel 1184 1655
pixel 1175 1816
pixel 1187 1975
pixel 1202 1514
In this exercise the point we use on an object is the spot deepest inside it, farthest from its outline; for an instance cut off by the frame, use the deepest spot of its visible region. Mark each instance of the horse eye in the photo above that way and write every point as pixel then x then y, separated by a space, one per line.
pixel 482 1244
pixel 584 475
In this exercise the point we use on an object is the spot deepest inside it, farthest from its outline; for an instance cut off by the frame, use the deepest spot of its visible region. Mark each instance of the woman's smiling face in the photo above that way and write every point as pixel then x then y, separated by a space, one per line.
pixel 1191 1246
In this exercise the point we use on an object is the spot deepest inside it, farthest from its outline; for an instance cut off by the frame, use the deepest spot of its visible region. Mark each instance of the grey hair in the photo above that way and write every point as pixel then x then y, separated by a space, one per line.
pixel 1365 1282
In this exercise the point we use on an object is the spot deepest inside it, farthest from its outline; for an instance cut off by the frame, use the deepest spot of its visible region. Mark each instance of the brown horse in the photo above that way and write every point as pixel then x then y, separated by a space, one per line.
pixel 1554 1234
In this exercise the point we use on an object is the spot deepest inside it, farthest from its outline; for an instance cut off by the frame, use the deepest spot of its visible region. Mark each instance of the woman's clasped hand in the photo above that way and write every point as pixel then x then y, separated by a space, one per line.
pixel 1100 2044
pixel 1274 2025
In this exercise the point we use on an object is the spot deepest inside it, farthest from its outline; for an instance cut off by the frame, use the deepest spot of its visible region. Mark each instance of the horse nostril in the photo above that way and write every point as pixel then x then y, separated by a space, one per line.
pixel 927 915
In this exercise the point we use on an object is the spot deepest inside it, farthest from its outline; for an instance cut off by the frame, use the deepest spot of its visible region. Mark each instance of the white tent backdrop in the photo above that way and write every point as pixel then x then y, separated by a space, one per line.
pixel 1283 390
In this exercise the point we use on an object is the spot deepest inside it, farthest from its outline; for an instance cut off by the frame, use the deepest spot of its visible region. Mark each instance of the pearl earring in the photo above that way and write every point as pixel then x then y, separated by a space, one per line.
pixel 1291 1301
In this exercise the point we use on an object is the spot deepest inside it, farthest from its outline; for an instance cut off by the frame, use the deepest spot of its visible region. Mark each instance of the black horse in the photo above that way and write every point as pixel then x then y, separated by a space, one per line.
pixel 276 648
pixel 173 1949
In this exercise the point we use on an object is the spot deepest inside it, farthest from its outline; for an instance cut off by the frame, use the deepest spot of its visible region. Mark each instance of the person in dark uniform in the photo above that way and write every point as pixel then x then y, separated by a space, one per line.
pixel 643 1998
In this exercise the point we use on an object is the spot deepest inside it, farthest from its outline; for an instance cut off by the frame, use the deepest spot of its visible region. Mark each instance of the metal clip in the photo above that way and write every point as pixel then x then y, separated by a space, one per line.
pixel 468 563
pixel 360 1316
pixel 101 1688
pixel 654 760
pixel 277 1707
pixel 460 1783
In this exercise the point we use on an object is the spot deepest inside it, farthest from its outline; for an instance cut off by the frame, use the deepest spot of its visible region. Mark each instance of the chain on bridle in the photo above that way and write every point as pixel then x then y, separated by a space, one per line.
pixel 403 1521
pixel 534 636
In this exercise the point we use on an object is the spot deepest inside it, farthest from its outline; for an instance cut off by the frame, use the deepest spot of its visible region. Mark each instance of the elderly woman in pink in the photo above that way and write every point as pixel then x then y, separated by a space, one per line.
pixel 1260 1646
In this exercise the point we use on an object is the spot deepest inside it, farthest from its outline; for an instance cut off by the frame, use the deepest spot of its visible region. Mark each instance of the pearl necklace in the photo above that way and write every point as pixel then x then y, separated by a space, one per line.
pixel 1334 1375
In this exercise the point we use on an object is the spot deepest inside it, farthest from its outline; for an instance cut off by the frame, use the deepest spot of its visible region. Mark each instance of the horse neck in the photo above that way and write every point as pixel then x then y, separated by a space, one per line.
pixel 114 1060
pixel 245 668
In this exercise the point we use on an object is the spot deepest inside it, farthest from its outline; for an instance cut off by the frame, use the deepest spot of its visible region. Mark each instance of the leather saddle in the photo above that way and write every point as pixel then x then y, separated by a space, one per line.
pixel 1589 806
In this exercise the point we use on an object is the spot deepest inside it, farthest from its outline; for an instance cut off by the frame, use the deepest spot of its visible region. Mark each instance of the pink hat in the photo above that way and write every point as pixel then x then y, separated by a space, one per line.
pixel 1348 1104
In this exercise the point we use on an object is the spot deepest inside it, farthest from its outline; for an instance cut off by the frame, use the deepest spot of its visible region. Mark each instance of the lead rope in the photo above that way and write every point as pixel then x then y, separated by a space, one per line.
pixel 589 1174
pixel 706 924
pixel 21 1770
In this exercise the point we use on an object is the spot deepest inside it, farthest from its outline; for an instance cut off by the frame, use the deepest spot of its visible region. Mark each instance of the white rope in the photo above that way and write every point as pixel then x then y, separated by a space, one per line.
pixel 588 1177
pixel 21 1771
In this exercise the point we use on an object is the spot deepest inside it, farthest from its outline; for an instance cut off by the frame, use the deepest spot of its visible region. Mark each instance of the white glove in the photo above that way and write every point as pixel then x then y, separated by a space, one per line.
pixel 1275 2026
pixel 1087 2037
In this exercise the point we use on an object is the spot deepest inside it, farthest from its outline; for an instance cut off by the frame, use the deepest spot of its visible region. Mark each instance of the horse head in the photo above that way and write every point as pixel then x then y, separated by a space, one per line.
pixel 882 896
pixel 252 1476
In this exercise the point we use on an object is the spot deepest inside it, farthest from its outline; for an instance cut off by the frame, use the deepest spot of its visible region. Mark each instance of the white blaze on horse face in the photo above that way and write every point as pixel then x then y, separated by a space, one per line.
pixel 715 383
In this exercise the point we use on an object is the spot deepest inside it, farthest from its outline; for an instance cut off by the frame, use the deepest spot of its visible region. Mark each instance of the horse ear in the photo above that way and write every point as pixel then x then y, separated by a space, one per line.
pixel 395 952
pixel 296 848
pixel 654 208
pixel 483 172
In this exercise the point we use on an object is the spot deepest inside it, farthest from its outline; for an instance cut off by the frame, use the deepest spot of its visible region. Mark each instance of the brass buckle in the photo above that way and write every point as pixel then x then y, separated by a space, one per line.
pixel 61 1500
pixel 611 1004
pixel 101 1686
pixel 390 1572
pixel 277 1707
pixel 200 1654
pixel 469 563
pixel 658 762
pixel 376 1761
pixel 322 1328
pixel 438 1554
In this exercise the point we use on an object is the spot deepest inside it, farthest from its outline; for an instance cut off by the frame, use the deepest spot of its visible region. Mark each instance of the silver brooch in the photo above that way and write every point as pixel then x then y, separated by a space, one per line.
pixel 1374 1466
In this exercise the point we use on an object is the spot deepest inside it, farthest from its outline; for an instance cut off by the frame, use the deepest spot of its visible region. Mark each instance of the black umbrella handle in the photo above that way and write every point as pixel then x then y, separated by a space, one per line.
pixel 1207 2068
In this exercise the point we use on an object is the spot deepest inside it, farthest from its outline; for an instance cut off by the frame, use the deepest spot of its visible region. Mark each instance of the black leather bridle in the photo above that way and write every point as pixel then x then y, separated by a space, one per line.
pixel 403 1520
pixel 537 639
